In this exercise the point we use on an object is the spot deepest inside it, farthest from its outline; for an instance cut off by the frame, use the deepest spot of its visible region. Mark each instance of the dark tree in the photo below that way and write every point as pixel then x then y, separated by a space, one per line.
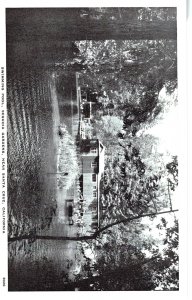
pixel 90 24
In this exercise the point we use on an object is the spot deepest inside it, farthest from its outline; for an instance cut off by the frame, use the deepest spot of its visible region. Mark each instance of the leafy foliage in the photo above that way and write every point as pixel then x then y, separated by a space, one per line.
pixel 131 73
pixel 121 265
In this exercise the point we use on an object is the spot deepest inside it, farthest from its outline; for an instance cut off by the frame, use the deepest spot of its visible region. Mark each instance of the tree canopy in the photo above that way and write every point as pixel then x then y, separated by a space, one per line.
pixel 91 23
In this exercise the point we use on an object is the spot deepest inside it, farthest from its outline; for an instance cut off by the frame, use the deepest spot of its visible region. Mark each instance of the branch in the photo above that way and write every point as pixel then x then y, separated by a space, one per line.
pixel 169 195
pixel 125 220
pixel 85 237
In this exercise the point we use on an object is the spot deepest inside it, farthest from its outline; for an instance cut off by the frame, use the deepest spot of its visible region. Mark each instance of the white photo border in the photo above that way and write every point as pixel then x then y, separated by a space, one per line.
pixel 183 292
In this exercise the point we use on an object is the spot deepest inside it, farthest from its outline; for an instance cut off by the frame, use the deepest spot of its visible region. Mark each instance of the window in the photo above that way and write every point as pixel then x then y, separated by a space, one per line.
pixel 93 150
pixel 94 188
pixel 93 164
pixel 94 194
pixel 94 178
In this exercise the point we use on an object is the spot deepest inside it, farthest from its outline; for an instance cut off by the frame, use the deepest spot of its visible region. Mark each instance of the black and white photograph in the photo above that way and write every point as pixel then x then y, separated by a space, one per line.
pixel 92 148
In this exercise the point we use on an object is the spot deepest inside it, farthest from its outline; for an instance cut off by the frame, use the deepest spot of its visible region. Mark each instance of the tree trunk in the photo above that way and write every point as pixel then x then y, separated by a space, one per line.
pixel 86 237
pixel 68 24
